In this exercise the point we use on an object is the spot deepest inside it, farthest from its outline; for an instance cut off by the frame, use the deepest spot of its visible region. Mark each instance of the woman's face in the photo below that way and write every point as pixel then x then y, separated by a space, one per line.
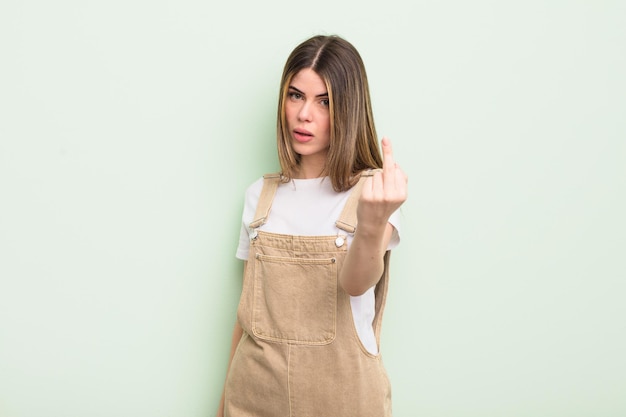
pixel 308 116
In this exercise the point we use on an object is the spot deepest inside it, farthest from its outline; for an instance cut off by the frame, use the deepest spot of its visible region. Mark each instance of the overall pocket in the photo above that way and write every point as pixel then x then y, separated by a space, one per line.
pixel 295 300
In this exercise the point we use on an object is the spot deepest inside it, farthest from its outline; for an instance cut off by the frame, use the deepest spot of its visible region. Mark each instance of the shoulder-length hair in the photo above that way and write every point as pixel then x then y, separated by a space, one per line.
pixel 353 140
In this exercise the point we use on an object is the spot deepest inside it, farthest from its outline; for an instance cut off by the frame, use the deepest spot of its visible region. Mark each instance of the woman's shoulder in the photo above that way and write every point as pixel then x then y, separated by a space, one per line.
pixel 253 191
pixel 258 183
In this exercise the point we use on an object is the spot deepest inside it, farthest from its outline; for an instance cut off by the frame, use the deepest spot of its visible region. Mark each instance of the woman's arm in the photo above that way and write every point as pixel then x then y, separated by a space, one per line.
pixel 382 194
pixel 237 333
pixel 364 266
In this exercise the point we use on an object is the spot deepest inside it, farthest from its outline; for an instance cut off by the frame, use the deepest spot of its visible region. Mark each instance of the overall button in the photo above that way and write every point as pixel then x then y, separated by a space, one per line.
pixel 339 241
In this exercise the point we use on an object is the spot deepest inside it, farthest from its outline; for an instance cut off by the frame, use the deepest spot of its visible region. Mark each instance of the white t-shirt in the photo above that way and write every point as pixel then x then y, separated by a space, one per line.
pixel 310 207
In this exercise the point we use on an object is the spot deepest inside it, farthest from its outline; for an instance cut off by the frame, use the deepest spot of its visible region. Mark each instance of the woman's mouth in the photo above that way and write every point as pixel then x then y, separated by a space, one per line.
pixel 302 135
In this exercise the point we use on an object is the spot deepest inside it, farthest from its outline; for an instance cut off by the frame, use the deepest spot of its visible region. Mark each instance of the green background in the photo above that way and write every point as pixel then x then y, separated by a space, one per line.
pixel 129 131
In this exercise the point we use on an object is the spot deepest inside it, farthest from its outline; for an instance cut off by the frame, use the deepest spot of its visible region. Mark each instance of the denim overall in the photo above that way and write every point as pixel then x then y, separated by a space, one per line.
pixel 300 355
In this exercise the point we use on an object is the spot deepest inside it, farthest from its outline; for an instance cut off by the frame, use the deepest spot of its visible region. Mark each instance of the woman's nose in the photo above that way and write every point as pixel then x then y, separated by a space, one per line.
pixel 304 115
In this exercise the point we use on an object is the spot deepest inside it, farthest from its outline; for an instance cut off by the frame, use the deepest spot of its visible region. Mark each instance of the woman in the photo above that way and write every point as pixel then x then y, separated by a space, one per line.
pixel 307 336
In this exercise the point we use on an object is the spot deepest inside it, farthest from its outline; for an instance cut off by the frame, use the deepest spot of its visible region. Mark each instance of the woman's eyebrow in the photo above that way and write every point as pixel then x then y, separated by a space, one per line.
pixel 291 87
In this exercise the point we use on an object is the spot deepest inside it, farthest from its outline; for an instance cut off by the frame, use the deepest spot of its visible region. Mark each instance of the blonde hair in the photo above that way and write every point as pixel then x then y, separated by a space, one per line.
pixel 353 140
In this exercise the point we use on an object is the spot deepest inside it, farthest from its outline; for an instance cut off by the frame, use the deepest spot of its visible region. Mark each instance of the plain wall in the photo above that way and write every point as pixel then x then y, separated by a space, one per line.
pixel 129 131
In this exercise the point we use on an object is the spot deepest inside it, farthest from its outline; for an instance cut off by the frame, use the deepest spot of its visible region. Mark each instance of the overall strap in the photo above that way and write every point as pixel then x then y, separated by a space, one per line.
pixel 270 184
pixel 347 219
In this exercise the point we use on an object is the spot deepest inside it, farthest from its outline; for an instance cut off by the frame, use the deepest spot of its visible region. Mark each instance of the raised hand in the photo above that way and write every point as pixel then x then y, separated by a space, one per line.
pixel 383 193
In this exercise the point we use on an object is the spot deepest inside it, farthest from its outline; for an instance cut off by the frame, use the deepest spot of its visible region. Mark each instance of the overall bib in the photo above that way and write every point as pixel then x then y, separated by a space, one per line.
pixel 300 355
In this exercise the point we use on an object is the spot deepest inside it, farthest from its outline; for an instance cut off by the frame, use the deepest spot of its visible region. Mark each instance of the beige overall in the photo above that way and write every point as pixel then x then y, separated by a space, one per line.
pixel 300 355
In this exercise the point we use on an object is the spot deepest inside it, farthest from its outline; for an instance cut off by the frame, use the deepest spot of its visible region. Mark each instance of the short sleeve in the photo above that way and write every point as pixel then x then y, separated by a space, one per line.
pixel 249 208
pixel 244 243
pixel 395 221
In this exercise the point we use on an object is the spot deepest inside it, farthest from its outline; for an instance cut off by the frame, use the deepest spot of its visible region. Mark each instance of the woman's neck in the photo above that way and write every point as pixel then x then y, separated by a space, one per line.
pixel 309 168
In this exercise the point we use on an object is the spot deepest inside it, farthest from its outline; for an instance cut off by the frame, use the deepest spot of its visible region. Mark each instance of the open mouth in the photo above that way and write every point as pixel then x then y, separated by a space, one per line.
pixel 302 135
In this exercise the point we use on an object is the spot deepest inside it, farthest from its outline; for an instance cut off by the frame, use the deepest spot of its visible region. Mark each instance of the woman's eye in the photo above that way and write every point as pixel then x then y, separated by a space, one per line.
pixel 325 102
pixel 295 96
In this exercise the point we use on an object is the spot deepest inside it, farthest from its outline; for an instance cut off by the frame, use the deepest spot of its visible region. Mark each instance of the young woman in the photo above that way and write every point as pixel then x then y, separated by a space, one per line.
pixel 316 240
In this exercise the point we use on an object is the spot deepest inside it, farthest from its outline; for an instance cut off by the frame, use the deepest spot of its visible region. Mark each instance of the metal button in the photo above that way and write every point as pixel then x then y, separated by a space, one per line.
pixel 339 241
pixel 253 234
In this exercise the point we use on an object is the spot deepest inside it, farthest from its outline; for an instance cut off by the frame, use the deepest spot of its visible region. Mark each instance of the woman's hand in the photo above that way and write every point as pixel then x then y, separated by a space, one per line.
pixel 382 194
